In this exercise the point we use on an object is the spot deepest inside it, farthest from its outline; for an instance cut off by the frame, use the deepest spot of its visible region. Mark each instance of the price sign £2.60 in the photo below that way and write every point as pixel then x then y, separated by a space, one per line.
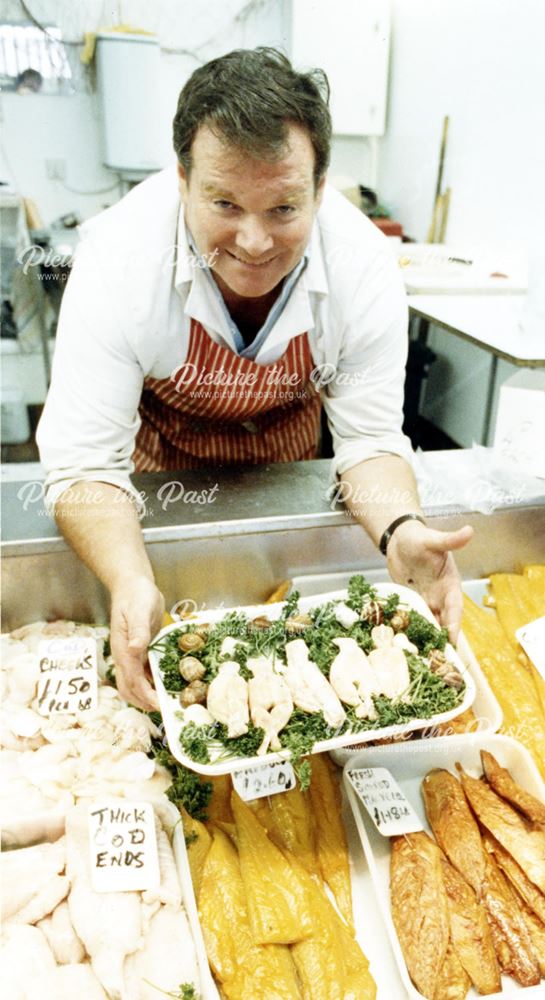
pixel 67 682
pixel 266 779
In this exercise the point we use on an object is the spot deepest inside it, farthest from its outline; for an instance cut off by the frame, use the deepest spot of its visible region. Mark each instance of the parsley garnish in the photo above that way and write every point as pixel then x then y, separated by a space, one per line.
pixel 187 788
pixel 424 634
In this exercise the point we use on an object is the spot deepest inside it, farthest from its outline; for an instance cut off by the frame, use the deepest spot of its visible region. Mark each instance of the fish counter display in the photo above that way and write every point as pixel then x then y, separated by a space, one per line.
pixel 266 894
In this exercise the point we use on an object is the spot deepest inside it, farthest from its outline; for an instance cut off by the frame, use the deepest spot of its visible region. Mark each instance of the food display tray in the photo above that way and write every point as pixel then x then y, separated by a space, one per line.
pixel 370 931
pixel 170 705
pixel 409 764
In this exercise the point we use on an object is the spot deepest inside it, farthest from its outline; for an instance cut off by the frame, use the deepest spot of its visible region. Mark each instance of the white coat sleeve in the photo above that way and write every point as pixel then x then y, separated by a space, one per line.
pixel 90 419
pixel 363 399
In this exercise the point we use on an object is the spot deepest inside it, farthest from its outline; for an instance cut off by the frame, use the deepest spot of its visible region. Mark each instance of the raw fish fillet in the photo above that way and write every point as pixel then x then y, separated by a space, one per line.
pixel 169 890
pixel 108 924
pixel 44 902
pixel 26 871
pixel 77 982
pixel 62 938
pixel 167 957
pixel 26 962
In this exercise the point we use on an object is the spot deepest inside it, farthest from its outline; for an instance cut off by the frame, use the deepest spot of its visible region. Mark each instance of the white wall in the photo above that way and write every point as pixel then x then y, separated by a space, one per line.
pixel 37 127
pixel 481 62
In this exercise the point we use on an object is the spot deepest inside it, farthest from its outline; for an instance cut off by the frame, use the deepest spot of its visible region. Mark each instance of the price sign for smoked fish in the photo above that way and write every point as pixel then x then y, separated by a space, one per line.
pixel 123 846
pixel 267 779
pixel 67 682
pixel 383 799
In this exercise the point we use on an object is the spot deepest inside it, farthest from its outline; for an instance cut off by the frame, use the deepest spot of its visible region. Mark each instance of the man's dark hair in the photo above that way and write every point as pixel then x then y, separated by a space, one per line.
pixel 249 97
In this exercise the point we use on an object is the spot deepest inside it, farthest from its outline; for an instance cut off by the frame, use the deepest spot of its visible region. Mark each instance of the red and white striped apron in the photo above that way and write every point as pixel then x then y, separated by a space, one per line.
pixel 220 408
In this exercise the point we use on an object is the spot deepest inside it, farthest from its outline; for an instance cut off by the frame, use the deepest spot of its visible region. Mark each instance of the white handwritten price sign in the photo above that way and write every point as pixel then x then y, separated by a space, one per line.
pixel 123 846
pixel 67 683
pixel 383 799
pixel 532 640
pixel 267 779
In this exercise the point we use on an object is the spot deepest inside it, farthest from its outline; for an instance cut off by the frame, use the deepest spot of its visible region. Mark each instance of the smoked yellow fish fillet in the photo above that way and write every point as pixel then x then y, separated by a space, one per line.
pixel 526 846
pixel 330 964
pixel 222 909
pixel 277 899
pixel 511 938
pixel 531 895
pixel 420 908
pixel 536 579
pixel 292 827
pixel 198 842
pixel 503 784
pixel 454 826
pixel 470 933
pixel 243 969
pixel 517 604
pixel 511 682
pixel 219 807
pixel 330 836
pixel 514 602
pixel 453 981
pixel 267 973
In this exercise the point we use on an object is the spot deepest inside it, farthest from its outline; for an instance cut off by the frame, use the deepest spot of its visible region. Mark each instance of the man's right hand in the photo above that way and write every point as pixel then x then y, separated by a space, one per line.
pixel 137 615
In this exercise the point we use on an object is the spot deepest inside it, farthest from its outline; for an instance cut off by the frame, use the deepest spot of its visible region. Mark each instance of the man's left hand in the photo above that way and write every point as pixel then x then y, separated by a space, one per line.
pixel 421 558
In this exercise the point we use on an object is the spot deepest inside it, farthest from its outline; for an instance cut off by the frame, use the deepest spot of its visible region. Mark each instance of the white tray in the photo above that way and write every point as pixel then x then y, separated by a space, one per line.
pixel 370 931
pixel 208 988
pixel 170 705
pixel 409 765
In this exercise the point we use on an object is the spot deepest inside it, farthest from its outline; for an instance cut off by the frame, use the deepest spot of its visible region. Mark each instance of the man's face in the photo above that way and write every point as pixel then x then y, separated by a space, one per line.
pixel 254 216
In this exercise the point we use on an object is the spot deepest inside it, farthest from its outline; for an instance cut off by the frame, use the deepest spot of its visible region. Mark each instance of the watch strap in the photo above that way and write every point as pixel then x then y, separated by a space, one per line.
pixel 383 544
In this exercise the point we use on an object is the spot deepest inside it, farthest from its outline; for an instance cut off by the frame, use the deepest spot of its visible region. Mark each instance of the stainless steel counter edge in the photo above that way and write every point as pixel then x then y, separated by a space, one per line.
pixel 207 529
pixel 243 526
pixel 210 503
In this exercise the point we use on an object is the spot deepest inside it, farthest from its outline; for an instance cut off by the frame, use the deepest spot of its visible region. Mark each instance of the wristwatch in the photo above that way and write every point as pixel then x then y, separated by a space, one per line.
pixel 383 544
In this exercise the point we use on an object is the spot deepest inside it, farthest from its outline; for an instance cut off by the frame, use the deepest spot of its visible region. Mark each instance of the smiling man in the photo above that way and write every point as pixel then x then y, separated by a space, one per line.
pixel 209 316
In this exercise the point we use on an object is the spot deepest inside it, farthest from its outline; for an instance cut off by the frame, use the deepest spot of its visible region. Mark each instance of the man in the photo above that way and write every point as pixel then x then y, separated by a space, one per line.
pixel 203 313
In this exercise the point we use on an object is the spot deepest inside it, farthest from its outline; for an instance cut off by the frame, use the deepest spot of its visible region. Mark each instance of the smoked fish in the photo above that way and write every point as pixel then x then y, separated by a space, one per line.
pixel 420 908
pixel 454 826
pixel 526 846
pixel 277 899
pixel 503 784
pixel 330 836
pixel 470 933
pixel 511 938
